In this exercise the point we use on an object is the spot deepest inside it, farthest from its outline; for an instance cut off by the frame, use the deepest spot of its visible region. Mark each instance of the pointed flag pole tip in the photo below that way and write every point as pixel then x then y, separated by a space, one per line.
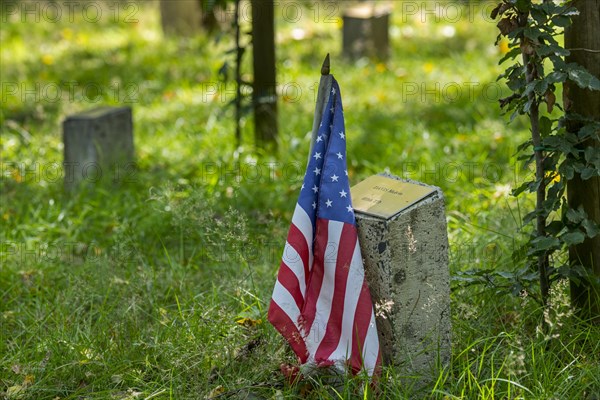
pixel 326 66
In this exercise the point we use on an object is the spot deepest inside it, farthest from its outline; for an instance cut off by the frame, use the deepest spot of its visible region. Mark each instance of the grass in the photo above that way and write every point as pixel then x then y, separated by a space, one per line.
pixel 157 286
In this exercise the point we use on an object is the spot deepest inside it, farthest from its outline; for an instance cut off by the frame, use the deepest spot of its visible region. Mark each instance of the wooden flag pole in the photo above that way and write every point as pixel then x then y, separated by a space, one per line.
pixel 322 99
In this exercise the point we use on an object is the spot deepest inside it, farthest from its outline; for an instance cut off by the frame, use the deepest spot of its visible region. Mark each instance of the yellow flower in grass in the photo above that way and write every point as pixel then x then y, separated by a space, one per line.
pixel 67 34
pixel 47 59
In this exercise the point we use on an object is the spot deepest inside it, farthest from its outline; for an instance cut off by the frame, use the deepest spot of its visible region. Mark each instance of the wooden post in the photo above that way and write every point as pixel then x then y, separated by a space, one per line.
pixel 582 39
pixel 406 265
pixel 323 94
pixel 264 95
pixel 98 145
pixel 365 32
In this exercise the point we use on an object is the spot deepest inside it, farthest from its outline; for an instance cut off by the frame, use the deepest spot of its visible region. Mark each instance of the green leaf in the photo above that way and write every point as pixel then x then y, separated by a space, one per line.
pixel 561 21
pixel 567 171
pixel 589 130
pixel 555 227
pixel 517 191
pixel 591 228
pixel 545 126
pixel 532 33
pixel 558 62
pixel 543 51
pixel 514 52
pixel 529 217
pixel 556 77
pixel 575 216
pixel 560 143
pixel 573 238
pixel 592 154
pixel 588 173
pixel 506 274
pixel 583 78
pixel 549 8
pixel 539 15
pixel 543 243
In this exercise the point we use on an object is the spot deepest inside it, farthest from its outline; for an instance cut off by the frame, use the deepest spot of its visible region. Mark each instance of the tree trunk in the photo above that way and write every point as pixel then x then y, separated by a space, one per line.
pixel 583 40
pixel 264 96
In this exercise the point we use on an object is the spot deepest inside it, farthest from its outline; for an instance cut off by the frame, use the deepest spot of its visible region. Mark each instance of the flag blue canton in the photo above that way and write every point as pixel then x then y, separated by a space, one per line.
pixel 326 190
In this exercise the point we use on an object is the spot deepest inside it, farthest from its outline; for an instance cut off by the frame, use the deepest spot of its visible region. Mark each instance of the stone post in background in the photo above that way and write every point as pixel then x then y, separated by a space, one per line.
pixel 366 30
pixel 98 145
pixel 180 17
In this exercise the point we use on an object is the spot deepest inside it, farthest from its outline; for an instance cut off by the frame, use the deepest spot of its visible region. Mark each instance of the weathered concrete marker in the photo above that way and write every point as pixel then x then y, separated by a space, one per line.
pixel 404 243
pixel 98 144
pixel 366 30
pixel 180 17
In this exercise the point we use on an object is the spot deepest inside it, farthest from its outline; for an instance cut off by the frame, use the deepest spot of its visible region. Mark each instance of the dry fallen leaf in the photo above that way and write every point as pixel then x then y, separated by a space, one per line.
pixel 28 380
pixel 14 392
pixel 550 100
pixel 248 322
pixel 215 392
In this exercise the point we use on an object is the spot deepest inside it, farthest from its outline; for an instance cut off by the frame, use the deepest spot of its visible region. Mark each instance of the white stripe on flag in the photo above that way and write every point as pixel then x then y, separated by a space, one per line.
pixel 323 309
pixel 292 259
pixel 370 349
pixel 302 221
pixel 286 302
pixel 353 288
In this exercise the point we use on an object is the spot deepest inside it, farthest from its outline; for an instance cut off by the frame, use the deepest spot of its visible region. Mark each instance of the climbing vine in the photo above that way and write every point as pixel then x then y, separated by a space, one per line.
pixel 537 69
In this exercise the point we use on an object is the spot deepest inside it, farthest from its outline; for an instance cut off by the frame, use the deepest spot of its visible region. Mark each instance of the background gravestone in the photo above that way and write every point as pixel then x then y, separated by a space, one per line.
pixel 366 30
pixel 406 265
pixel 98 144
pixel 180 17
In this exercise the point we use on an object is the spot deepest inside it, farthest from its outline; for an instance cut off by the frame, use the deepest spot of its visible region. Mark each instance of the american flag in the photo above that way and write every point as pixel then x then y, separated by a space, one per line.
pixel 321 303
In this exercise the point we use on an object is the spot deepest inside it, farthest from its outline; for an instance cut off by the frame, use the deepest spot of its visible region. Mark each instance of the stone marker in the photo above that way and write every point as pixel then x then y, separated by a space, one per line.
pixel 180 17
pixel 365 32
pixel 404 244
pixel 98 144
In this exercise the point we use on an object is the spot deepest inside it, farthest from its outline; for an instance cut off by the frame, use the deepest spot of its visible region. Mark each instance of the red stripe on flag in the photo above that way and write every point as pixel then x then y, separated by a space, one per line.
pixel 333 331
pixel 362 319
pixel 316 276
pixel 282 322
pixel 297 240
pixel 289 280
